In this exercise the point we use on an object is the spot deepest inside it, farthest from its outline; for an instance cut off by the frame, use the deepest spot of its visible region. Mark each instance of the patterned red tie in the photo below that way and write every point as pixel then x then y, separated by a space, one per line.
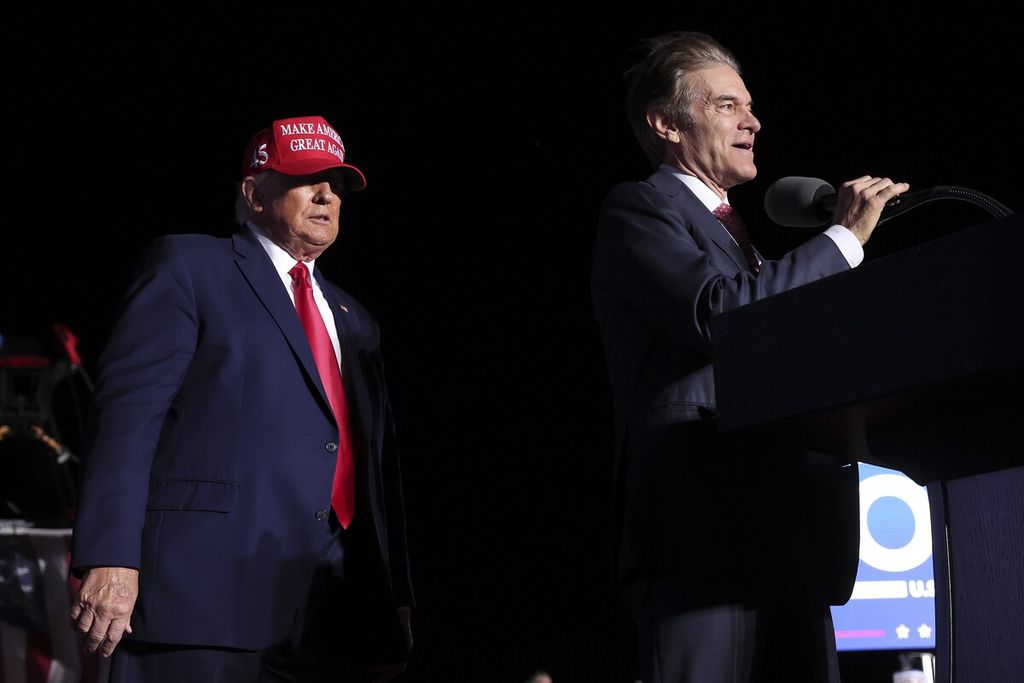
pixel 343 490
pixel 730 218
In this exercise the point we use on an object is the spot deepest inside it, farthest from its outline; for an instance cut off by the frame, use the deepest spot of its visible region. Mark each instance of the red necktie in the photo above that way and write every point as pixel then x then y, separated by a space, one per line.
pixel 730 218
pixel 343 491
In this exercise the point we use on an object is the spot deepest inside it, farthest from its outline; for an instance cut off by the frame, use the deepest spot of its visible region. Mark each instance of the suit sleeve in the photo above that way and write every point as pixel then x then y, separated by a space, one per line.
pixel 141 372
pixel 401 579
pixel 646 255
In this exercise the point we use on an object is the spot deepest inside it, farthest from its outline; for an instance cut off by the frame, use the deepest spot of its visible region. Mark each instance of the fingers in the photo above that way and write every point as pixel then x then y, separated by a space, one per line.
pixel 101 614
pixel 115 631
pixel 92 628
pixel 893 190
pixel 850 183
pixel 100 634
pixel 96 635
pixel 869 186
pixel 83 618
pixel 861 201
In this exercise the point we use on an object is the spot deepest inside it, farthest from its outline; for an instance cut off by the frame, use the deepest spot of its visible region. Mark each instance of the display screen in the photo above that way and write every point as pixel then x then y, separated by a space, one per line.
pixel 893 603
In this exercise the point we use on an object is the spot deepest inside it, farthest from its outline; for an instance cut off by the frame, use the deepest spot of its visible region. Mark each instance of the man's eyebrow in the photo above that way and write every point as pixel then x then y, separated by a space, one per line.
pixel 729 97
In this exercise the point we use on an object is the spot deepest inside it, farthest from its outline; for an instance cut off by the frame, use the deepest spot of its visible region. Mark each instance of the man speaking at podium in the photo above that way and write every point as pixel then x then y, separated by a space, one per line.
pixel 729 552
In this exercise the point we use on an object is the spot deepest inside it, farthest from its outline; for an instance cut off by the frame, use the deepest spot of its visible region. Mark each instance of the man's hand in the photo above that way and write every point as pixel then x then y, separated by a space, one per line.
pixel 860 203
pixel 104 607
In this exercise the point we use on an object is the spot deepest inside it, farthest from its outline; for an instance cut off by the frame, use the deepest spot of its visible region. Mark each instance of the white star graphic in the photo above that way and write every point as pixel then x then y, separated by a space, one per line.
pixel 924 630
pixel 902 632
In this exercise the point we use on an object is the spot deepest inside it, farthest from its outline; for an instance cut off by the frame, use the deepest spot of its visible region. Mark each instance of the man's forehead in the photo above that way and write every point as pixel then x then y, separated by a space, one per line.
pixel 721 83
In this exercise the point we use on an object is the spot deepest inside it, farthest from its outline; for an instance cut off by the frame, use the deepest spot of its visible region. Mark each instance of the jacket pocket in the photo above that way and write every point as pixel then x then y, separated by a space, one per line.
pixel 678 411
pixel 192 494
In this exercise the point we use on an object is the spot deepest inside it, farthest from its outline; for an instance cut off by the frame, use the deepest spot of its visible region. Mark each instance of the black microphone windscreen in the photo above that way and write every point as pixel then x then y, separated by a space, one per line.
pixel 797 202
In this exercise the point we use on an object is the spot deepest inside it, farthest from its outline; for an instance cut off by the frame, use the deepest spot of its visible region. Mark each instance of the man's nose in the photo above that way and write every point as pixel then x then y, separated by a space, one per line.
pixel 750 122
pixel 325 194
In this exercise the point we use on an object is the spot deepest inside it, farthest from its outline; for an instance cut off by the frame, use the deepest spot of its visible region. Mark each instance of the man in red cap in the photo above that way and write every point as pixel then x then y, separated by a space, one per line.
pixel 241 515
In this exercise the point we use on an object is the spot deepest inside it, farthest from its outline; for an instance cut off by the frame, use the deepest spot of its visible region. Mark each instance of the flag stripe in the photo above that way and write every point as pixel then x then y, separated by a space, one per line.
pixel 52 657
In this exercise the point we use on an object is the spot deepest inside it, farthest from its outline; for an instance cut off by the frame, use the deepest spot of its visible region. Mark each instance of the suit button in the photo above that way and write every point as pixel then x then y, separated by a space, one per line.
pixel 321 515
pixel 331 446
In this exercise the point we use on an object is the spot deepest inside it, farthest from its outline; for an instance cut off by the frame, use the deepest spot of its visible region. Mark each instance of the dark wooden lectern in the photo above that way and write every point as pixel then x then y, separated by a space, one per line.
pixel 914 361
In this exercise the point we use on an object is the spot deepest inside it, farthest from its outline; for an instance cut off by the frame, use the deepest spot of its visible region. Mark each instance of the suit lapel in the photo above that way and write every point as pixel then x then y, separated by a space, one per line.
pixel 365 403
pixel 704 221
pixel 347 322
pixel 258 270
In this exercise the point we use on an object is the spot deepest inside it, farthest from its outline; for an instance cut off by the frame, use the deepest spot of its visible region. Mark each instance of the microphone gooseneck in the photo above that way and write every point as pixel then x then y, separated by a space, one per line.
pixel 801 202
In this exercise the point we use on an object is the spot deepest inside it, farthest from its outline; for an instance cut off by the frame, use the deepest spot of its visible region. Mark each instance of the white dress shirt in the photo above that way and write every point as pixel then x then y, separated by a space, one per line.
pixel 283 262
pixel 845 240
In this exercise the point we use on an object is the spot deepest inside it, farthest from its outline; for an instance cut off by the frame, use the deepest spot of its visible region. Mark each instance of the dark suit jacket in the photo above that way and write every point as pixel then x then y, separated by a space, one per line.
pixel 663 267
pixel 213 447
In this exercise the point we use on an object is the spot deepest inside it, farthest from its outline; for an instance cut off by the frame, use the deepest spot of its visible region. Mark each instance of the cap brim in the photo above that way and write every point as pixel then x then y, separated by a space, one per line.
pixel 354 178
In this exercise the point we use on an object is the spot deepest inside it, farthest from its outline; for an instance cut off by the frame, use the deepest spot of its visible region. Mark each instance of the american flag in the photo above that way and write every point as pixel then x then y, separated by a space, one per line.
pixel 37 643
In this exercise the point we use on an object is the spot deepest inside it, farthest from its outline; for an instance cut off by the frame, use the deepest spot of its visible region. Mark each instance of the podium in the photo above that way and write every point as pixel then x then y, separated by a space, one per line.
pixel 914 361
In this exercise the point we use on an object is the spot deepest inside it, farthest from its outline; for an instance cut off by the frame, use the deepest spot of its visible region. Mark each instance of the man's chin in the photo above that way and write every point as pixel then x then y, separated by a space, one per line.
pixel 745 175
pixel 321 238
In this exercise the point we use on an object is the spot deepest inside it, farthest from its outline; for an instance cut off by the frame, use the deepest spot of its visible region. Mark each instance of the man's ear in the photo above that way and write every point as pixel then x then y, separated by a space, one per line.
pixel 663 127
pixel 252 195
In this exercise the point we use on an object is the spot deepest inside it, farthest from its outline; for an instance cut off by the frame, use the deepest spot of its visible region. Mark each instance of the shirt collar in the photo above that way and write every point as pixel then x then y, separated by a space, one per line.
pixel 282 260
pixel 704 193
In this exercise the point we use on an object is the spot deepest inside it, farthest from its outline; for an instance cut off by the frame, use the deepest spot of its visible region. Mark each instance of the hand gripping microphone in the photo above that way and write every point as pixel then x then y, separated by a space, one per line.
pixel 799 202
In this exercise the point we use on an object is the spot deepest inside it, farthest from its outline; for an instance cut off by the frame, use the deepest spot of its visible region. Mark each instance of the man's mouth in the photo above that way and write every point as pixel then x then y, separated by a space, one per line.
pixel 747 146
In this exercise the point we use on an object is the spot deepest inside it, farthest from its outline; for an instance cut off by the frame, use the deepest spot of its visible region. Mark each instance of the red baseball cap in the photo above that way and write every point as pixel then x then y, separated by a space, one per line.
pixel 300 146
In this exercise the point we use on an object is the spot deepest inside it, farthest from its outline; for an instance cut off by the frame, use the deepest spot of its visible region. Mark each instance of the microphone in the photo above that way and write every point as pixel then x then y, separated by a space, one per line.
pixel 799 202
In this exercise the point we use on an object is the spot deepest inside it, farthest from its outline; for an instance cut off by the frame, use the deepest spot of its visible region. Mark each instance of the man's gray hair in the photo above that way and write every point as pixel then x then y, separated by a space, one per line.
pixel 661 82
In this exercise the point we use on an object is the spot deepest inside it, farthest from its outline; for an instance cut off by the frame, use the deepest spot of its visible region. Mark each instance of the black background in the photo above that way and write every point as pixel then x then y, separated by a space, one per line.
pixel 489 136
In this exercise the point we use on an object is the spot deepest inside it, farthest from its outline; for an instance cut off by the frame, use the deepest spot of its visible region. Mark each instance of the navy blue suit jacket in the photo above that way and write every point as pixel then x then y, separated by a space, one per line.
pixel 663 267
pixel 213 446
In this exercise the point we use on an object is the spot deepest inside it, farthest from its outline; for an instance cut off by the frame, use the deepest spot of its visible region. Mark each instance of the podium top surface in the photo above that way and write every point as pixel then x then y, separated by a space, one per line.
pixel 926 334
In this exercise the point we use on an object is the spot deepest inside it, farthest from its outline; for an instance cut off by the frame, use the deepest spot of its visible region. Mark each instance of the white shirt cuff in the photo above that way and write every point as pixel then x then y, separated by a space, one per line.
pixel 848 244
